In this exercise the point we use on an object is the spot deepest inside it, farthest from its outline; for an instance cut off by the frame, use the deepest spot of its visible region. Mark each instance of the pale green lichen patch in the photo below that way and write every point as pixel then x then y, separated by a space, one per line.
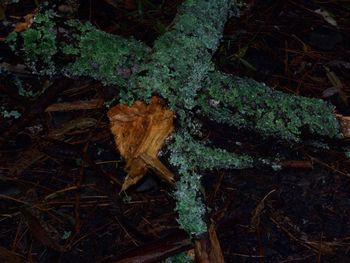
pixel 189 154
pixel 245 103
pixel 177 67
pixel 182 56
pixel 191 157
pixel 189 204
pixel 9 113
pixel 39 44
pixel 179 258
pixel 105 57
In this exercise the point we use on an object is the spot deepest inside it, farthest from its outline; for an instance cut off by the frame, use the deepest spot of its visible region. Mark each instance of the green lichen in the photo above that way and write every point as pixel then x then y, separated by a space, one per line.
pixel 39 44
pixel 182 56
pixel 10 113
pixel 105 57
pixel 347 154
pixel 179 258
pixel 11 40
pixel 191 157
pixel 22 90
pixel 188 154
pixel 245 103
pixel 189 203
pixel 176 70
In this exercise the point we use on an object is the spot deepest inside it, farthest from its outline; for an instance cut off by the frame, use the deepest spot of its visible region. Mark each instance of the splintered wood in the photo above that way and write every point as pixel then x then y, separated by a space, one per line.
pixel 27 23
pixel 139 133
pixel 344 124
pixel 208 249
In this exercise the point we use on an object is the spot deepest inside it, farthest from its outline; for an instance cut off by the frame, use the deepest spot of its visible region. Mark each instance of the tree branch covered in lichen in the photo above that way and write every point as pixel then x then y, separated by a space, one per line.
pixel 182 56
pixel 191 157
pixel 245 103
pixel 108 58
pixel 179 69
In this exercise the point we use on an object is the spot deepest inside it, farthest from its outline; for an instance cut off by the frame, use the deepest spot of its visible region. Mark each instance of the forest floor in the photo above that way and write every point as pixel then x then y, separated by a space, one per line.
pixel 60 172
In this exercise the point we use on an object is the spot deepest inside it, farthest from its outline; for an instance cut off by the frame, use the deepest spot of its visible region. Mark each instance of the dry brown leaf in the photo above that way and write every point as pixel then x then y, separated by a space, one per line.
pixel 139 132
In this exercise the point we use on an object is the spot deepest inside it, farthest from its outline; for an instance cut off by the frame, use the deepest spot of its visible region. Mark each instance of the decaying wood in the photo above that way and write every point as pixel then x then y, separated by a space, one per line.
pixel 139 132
pixel 344 124
pixel 75 105
pixel 208 250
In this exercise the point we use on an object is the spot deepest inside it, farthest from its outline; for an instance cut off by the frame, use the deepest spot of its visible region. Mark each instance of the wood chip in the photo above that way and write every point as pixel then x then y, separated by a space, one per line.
pixel 139 132
pixel 345 124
